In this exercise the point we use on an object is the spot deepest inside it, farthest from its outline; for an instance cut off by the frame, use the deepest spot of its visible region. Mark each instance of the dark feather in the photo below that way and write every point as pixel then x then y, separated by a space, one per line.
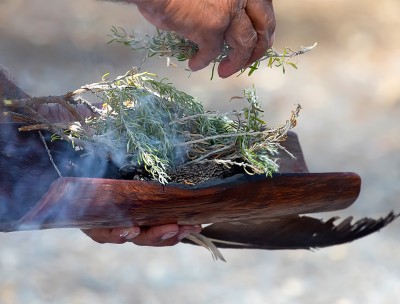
pixel 292 232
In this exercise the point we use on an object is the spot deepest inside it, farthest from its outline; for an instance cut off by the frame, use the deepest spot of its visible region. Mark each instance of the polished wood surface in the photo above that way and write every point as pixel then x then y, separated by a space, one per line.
pixel 89 202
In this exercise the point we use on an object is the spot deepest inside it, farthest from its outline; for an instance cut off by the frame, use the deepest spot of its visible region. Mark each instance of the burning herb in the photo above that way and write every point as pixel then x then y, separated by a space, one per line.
pixel 146 122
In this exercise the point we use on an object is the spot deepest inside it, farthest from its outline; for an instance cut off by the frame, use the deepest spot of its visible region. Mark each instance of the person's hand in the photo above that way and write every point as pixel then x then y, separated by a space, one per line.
pixel 246 26
pixel 162 235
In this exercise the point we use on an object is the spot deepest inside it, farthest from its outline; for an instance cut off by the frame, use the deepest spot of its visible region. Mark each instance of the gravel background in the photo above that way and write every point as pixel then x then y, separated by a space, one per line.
pixel 349 87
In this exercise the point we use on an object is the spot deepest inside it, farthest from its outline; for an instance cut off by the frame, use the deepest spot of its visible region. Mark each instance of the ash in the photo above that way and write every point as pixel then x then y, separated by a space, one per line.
pixel 184 174
pixel 197 173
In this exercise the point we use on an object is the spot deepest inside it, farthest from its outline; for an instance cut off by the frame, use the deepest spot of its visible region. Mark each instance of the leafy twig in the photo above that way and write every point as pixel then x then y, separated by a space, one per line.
pixel 171 45
pixel 146 122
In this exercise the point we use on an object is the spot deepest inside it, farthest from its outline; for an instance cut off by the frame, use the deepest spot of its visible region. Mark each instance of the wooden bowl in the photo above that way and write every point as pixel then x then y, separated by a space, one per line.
pixel 33 196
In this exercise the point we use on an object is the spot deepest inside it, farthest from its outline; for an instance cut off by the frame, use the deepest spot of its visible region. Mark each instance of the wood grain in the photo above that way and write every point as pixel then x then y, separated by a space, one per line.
pixel 90 202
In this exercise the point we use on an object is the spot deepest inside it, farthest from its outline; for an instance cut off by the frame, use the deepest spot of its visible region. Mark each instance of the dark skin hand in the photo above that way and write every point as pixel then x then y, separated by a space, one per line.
pixel 162 235
pixel 246 26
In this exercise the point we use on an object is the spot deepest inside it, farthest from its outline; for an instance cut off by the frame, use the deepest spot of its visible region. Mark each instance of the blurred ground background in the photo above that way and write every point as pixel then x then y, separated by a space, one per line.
pixel 349 87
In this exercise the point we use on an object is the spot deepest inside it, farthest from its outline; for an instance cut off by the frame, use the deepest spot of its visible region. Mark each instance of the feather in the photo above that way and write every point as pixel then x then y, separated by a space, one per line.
pixel 292 232
pixel 206 243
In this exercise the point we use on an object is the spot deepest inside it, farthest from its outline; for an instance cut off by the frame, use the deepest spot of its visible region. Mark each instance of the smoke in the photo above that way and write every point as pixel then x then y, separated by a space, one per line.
pixel 25 174
pixel 26 171
pixel 74 202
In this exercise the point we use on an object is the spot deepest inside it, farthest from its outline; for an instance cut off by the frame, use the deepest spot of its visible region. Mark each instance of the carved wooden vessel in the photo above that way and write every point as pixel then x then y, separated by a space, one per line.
pixel 33 196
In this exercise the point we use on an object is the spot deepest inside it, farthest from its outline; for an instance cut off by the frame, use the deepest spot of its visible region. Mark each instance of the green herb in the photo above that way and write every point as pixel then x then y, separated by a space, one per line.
pixel 171 45
pixel 161 127
pixel 146 122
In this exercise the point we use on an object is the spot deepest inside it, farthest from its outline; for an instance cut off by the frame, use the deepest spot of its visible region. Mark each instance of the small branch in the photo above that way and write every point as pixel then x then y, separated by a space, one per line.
pixel 229 163
pixel 228 135
pixel 183 119
pixel 205 156
pixel 49 154
pixel 170 44
pixel 17 117
pixel 273 53
pixel 31 105
pixel 87 104
pixel 46 127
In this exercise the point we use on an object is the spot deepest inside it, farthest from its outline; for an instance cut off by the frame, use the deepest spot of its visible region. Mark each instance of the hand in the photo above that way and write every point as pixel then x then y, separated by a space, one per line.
pixel 162 235
pixel 246 26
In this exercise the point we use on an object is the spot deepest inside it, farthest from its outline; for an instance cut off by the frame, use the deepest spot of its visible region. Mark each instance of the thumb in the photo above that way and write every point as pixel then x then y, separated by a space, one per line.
pixel 209 50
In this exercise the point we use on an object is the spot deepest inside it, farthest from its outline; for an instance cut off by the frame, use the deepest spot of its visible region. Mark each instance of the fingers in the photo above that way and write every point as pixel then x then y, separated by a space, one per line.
pixel 241 39
pixel 153 236
pixel 112 235
pixel 209 49
pixel 246 26
pixel 162 235
pixel 249 36
pixel 261 14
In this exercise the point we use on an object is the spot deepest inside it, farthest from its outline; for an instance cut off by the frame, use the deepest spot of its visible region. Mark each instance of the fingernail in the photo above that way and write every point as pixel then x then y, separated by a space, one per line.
pixel 132 235
pixel 124 234
pixel 169 235
pixel 129 234
pixel 197 228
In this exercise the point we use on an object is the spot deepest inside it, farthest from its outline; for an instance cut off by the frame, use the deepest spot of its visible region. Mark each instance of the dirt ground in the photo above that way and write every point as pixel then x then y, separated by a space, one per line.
pixel 349 88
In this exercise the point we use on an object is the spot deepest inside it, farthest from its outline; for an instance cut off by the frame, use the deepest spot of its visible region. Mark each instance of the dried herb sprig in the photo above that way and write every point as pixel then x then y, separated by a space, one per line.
pixel 146 122
pixel 172 45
